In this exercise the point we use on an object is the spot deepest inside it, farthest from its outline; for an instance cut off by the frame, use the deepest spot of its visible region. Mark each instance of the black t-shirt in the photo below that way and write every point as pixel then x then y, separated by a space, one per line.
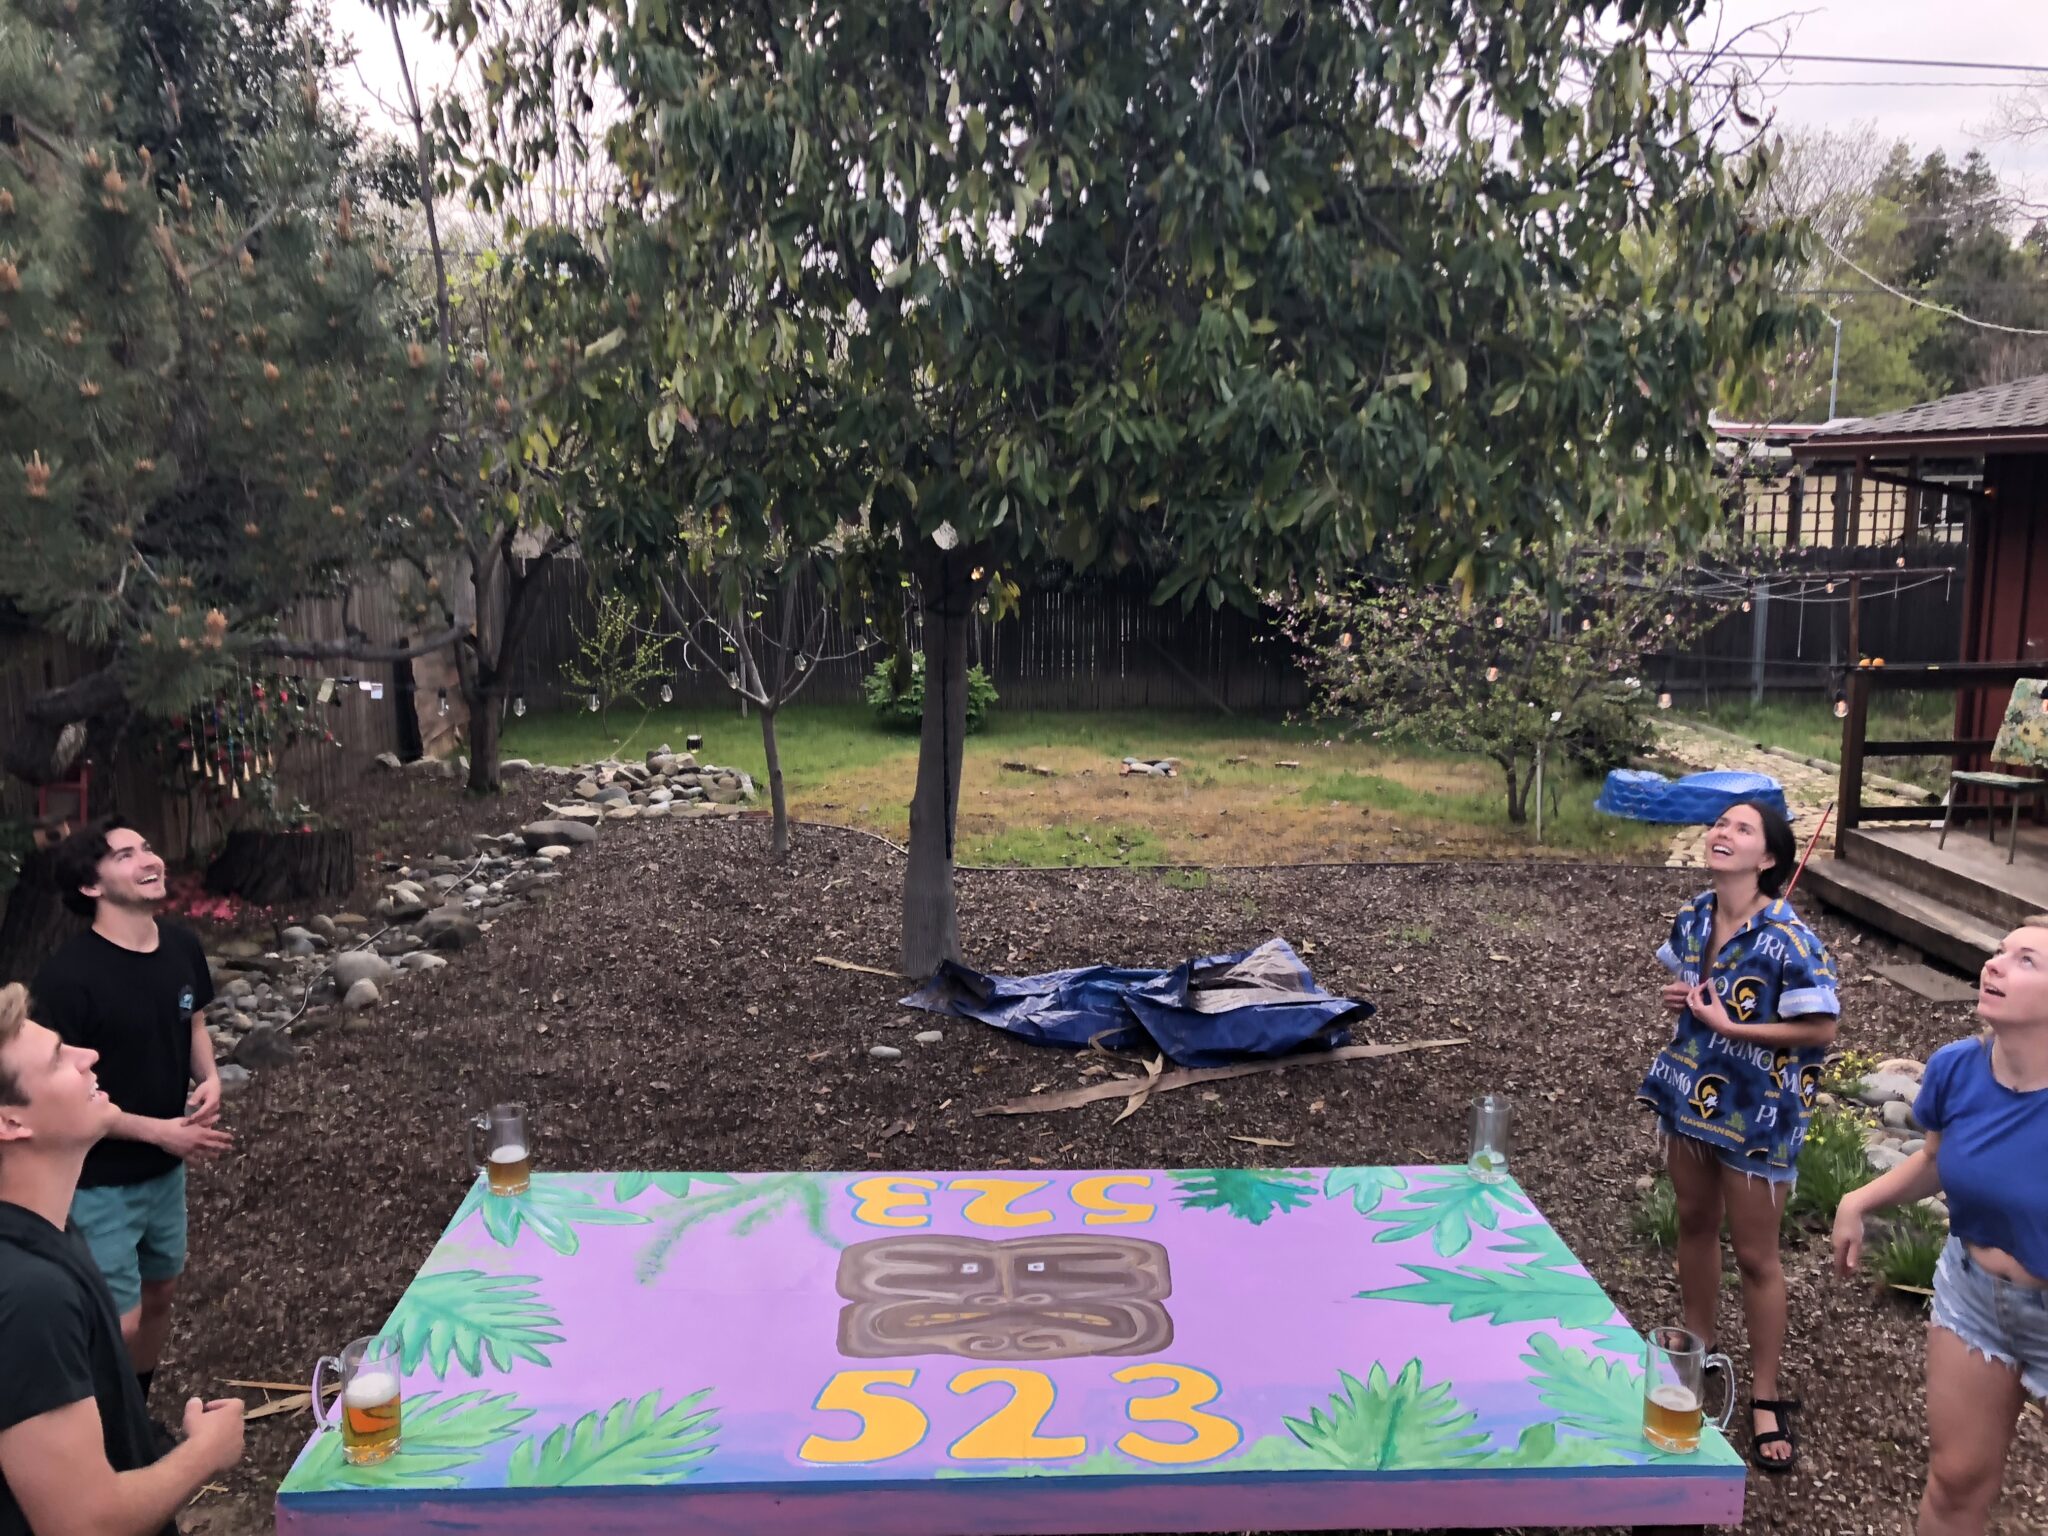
pixel 60 1343
pixel 136 1010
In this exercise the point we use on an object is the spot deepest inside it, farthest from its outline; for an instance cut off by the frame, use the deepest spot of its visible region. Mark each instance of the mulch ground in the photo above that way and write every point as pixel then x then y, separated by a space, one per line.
pixel 664 1010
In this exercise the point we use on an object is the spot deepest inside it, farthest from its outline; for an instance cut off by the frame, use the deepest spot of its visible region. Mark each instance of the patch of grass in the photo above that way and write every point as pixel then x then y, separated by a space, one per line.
pixel 1065 845
pixel 1831 1164
pixel 1910 1251
pixel 1806 723
pixel 1655 1218
pixel 1416 933
pixel 1569 821
pixel 1187 879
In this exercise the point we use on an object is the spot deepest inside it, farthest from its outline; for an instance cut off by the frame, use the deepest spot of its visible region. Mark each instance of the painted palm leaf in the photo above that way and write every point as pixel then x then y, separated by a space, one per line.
pixel 636 1440
pixel 466 1317
pixel 1382 1425
pixel 1448 1208
pixel 1365 1186
pixel 439 1438
pixel 1527 1293
pixel 1540 1242
pixel 1245 1193
pixel 752 1201
pixel 631 1186
pixel 1542 1446
pixel 1602 1399
pixel 551 1210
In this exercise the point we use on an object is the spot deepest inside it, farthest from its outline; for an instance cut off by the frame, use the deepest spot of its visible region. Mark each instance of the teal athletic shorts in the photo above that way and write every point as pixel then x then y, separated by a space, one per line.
pixel 135 1231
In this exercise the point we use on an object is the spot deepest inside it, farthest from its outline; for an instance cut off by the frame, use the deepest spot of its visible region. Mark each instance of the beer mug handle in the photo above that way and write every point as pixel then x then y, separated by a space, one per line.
pixel 320 1414
pixel 479 1134
pixel 1728 1382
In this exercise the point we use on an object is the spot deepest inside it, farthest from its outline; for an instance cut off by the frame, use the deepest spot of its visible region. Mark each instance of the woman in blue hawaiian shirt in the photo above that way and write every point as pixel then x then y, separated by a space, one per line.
pixel 1756 1011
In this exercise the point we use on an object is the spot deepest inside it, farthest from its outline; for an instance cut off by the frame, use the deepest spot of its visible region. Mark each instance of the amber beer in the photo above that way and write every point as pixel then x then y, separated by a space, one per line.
pixel 1672 1416
pixel 369 1417
pixel 510 1169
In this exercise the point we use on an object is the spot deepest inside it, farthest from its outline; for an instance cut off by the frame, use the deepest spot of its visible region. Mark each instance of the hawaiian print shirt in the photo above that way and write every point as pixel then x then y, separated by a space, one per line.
pixel 1753 1100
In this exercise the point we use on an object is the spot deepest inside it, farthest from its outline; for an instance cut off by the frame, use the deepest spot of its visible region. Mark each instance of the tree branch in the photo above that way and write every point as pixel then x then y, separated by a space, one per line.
pixel 354 650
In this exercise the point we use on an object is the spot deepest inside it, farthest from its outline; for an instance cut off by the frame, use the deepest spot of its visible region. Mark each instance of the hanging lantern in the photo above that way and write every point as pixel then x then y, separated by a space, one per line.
pixel 593 704
pixel 1493 674
pixel 519 705
pixel 1841 706
pixel 1663 701
pixel 1745 605
pixel 668 694
pixel 441 708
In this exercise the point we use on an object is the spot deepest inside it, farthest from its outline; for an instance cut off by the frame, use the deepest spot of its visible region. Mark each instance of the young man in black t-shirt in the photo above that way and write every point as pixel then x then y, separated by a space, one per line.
pixel 135 991
pixel 76 1452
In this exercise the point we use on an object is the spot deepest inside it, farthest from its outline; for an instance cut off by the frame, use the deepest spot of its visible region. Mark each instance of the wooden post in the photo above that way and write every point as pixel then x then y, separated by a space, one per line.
pixel 1916 501
pixel 1795 505
pixel 1855 621
pixel 1759 634
pixel 1855 727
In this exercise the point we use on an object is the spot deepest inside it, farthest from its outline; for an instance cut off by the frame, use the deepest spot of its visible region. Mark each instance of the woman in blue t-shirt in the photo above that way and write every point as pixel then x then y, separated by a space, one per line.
pixel 1753 993
pixel 1984 1104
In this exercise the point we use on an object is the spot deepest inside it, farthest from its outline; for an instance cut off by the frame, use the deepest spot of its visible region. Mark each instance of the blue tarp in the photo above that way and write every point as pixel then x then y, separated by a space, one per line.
pixel 1697 799
pixel 1203 1013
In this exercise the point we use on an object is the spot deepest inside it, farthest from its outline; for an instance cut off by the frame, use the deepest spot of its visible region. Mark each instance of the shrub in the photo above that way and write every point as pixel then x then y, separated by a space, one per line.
pixel 895 693
pixel 1908 1254
pixel 1655 1218
pixel 1831 1164
pixel 1846 1073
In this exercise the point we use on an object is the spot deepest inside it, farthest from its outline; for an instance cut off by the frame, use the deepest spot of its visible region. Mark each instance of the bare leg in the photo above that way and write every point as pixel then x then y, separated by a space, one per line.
pixel 1972 1406
pixel 1696 1180
pixel 1755 1209
pixel 152 1324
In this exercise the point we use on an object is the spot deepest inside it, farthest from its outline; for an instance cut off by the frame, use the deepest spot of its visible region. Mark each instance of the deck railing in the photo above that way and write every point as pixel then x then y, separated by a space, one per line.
pixel 1863 682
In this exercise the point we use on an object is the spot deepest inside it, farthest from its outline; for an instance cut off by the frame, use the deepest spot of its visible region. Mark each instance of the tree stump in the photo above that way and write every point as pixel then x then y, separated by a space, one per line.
pixel 268 868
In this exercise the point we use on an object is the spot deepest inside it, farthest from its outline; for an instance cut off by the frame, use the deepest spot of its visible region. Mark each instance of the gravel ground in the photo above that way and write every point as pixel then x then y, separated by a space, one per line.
pixel 663 1008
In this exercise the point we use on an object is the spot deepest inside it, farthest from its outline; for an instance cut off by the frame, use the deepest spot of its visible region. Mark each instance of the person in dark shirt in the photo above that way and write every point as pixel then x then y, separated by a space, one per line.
pixel 135 991
pixel 77 1457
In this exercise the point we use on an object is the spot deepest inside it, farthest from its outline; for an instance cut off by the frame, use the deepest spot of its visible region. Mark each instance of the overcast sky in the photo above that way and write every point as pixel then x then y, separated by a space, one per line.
pixel 1929 114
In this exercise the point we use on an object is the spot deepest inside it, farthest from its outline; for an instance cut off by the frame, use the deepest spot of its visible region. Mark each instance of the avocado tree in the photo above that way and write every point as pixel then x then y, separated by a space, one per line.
pixel 1242 287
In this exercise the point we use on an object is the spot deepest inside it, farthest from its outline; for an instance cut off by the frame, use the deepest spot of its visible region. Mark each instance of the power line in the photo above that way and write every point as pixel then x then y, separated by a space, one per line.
pixel 1940 309
pixel 1926 85
pixel 1851 58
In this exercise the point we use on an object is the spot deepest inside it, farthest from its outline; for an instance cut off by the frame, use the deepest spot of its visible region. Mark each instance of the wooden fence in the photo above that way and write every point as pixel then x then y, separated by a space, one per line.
pixel 31 663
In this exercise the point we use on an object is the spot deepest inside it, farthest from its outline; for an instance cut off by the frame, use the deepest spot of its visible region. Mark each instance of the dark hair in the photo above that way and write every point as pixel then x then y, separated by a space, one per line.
pixel 1778 838
pixel 77 862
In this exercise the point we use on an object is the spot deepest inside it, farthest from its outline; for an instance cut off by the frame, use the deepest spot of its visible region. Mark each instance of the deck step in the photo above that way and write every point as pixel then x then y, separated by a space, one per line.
pixel 1980 883
pixel 1963 939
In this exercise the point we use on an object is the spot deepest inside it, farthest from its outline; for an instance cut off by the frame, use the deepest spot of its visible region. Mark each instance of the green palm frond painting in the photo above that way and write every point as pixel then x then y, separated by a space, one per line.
pixel 438 1438
pixel 1448 1207
pixel 1246 1193
pixel 1542 1446
pixel 754 1200
pixel 1526 1293
pixel 636 1440
pixel 1383 1425
pixel 1366 1187
pixel 466 1317
pixel 629 1187
pixel 551 1209
pixel 1539 1243
pixel 1601 1399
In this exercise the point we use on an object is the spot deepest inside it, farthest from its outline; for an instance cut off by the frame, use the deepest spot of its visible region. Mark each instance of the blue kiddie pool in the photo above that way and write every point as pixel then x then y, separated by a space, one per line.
pixel 1698 799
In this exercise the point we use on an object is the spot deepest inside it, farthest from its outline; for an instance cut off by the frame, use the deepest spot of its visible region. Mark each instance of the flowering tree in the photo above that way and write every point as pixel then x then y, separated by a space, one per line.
pixel 1516 679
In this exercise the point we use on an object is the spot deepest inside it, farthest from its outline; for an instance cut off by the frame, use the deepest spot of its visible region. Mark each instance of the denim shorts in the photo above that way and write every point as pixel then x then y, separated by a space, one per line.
pixel 136 1232
pixel 1999 1320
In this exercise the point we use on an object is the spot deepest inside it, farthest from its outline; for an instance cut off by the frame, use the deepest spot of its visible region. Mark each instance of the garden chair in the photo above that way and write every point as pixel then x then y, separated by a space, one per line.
pixel 2023 742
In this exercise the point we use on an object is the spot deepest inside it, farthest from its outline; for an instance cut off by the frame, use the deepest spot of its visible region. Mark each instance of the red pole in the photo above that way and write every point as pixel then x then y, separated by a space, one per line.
pixel 1812 843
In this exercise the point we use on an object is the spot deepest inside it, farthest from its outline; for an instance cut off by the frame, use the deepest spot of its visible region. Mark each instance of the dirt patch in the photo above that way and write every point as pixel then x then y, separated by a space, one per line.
pixel 662 1009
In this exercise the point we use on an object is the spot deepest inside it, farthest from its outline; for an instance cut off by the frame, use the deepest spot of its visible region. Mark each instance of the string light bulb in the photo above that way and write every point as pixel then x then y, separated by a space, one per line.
pixel 593 704
pixel 519 705
pixel 441 708
pixel 668 694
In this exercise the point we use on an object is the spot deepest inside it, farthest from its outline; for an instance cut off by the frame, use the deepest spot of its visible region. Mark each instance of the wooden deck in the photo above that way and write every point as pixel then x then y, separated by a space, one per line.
pixel 1955 902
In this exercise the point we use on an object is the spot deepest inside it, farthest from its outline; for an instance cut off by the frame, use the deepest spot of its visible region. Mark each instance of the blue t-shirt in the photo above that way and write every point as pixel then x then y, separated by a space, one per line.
pixel 1993 1154
pixel 1752 1100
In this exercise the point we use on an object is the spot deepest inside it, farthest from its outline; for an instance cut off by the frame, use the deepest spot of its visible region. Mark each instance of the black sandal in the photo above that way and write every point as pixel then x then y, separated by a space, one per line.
pixel 1784 1434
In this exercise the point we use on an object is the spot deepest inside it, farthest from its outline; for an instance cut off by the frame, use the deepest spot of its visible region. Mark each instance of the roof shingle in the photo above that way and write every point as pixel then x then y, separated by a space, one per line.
pixel 2019 407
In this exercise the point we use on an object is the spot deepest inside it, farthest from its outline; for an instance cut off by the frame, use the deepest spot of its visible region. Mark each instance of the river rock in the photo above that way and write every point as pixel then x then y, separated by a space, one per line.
pixel 322 926
pixel 361 997
pixel 1882 1088
pixel 545 834
pixel 423 960
pixel 885 1053
pixel 513 767
pixel 448 930
pixel 1898 1114
pixel 360 965
pixel 266 1046
pixel 928 1037
pixel 233 1079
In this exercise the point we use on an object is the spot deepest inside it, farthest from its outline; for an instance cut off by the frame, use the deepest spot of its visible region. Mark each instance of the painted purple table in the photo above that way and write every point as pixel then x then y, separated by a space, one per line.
pixel 835 1354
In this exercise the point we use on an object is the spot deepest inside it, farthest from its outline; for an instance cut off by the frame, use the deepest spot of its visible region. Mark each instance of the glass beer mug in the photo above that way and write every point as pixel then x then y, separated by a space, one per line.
pixel 368 1405
pixel 1675 1367
pixel 501 1141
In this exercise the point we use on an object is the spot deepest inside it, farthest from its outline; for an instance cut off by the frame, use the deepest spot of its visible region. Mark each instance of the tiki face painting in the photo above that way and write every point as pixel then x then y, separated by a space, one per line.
pixel 1022 1298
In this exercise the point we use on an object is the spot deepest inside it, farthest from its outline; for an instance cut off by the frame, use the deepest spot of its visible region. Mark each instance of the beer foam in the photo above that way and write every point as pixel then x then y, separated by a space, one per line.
pixel 1673 1398
pixel 370 1389
pixel 508 1154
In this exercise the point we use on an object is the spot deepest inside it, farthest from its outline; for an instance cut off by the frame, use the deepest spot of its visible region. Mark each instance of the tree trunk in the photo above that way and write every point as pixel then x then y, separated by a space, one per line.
pixel 931 930
pixel 772 749
pixel 37 920
pixel 269 868
pixel 485 719
pixel 1518 799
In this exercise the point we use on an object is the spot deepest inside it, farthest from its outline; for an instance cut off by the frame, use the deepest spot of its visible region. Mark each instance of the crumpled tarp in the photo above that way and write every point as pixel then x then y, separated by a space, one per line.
pixel 1698 799
pixel 1203 1013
